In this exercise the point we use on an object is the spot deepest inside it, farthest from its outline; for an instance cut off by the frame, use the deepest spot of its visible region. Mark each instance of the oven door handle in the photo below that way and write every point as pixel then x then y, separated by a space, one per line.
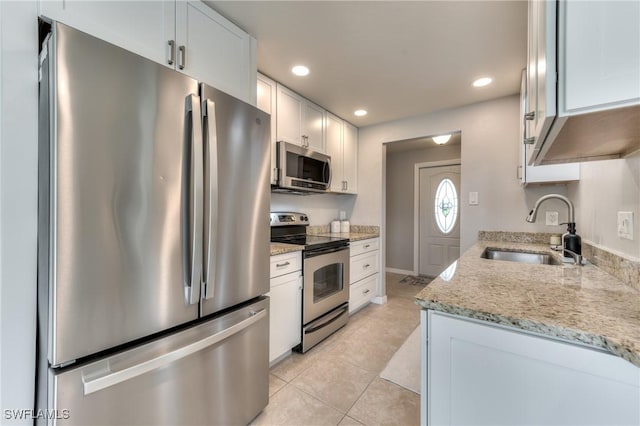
pixel 334 316
pixel 319 252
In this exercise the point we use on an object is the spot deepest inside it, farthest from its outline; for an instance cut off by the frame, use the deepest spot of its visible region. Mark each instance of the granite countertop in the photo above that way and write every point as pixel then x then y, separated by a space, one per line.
pixel 282 248
pixel 352 236
pixel 577 303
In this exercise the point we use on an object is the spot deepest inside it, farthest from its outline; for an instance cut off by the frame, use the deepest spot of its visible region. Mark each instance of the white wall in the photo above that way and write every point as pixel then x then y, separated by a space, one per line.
pixel 604 189
pixel 18 204
pixel 321 208
pixel 400 200
pixel 489 165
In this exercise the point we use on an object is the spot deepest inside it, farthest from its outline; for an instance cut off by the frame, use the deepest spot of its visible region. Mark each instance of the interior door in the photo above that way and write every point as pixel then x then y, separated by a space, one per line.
pixel 439 220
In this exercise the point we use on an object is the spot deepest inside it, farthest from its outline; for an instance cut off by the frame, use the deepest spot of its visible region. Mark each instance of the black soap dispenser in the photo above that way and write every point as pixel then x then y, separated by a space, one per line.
pixel 571 240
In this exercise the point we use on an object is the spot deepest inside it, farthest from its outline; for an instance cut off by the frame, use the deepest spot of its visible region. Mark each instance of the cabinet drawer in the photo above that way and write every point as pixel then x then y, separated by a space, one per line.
pixel 285 263
pixel 364 246
pixel 363 265
pixel 361 292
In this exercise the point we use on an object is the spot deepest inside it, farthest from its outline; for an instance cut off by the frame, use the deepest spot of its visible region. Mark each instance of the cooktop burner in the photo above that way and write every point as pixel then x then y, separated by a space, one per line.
pixel 310 241
pixel 291 228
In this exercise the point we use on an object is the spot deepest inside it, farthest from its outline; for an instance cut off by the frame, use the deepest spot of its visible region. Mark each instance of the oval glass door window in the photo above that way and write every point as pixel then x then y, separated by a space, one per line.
pixel 446 206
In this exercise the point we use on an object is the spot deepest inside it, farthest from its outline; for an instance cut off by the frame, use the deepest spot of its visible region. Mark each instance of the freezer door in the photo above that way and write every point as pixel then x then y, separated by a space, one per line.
pixel 216 373
pixel 120 235
pixel 237 196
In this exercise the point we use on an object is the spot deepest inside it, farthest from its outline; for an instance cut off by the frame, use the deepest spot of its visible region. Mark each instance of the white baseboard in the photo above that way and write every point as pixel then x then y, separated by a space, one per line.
pixel 379 300
pixel 400 271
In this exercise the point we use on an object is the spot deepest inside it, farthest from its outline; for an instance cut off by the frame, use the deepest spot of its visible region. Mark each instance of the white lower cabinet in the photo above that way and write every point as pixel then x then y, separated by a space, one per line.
pixel 479 373
pixel 285 310
pixel 364 272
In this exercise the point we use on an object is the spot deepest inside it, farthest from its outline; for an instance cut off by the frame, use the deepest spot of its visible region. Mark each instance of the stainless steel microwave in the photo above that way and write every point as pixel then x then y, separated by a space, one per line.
pixel 301 169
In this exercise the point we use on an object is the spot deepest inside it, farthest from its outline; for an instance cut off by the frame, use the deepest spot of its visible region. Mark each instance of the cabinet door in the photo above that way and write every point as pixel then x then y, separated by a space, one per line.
pixel 285 314
pixel 142 27
pixel 539 174
pixel 313 118
pixel 334 150
pixel 541 71
pixel 216 52
pixel 266 101
pixel 289 116
pixel 350 158
pixel 484 374
pixel 599 44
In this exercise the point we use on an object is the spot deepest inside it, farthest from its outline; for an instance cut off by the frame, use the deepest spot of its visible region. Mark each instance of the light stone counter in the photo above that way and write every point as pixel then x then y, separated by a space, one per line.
pixel 577 303
pixel 352 236
pixel 281 248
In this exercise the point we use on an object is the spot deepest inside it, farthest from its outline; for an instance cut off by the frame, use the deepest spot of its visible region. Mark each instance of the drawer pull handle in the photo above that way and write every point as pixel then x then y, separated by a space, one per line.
pixel 367 246
pixel 281 265
pixel 366 291
pixel 366 266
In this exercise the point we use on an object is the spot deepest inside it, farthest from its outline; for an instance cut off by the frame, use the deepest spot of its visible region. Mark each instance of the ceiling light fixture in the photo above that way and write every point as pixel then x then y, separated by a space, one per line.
pixel 442 139
pixel 481 82
pixel 300 70
pixel 360 112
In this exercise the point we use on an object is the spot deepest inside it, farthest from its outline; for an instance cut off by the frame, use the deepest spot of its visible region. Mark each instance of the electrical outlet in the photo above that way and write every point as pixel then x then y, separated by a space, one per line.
pixel 625 225
pixel 552 219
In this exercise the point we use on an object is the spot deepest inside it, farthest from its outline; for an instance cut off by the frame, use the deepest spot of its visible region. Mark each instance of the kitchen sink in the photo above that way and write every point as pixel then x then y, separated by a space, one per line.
pixel 519 256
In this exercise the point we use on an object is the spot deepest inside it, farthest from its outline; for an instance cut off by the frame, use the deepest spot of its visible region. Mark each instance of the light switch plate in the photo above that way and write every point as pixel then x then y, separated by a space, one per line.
pixel 625 225
pixel 473 198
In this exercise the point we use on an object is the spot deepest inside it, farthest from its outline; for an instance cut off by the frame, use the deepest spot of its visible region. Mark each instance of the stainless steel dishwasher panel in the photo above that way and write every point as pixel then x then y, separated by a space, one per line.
pixel 216 373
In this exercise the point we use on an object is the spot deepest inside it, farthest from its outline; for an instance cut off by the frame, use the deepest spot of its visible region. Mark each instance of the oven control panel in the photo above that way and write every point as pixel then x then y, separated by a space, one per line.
pixel 288 218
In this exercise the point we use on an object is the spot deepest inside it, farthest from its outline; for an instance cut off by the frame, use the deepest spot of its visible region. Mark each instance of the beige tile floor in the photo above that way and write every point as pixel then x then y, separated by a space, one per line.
pixel 338 383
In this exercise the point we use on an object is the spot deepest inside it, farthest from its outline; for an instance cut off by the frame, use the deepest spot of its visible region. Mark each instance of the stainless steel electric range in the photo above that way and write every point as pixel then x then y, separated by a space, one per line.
pixel 325 291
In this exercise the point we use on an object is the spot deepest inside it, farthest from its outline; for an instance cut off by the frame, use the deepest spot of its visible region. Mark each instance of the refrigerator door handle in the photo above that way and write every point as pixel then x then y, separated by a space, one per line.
pixel 113 376
pixel 211 209
pixel 194 206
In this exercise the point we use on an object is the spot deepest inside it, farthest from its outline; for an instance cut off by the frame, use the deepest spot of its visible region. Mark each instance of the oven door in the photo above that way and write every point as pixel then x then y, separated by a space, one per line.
pixel 326 281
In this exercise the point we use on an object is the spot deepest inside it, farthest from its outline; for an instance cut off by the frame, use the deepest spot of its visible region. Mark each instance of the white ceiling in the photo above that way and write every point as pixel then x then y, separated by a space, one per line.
pixel 392 58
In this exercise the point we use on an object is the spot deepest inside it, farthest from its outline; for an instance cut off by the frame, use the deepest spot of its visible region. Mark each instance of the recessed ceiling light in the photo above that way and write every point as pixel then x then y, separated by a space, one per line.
pixel 442 139
pixel 481 82
pixel 300 70
pixel 360 112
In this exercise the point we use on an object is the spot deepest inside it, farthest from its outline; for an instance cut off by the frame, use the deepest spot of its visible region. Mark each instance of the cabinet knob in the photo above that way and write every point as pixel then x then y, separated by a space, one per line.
pixel 366 291
pixel 366 266
pixel 529 141
pixel 530 115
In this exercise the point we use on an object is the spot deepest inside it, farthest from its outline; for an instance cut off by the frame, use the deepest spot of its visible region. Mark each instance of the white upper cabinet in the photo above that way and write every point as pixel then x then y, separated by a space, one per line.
pixel 215 51
pixel 334 150
pixel 541 84
pixel 185 35
pixel 350 158
pixel 342 146
pixel 586 105
pixel 266 101
pixel 555 173
pixel 142 27
pixel 599 46
pixel 299 121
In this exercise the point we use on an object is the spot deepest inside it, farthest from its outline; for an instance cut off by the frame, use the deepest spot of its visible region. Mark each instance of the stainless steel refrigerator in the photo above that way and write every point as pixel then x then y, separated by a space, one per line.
pixel 153 242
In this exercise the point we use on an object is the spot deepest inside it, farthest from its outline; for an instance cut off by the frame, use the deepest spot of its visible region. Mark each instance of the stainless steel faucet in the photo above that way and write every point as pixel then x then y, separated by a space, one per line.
pixel 534 212
pixel 571 241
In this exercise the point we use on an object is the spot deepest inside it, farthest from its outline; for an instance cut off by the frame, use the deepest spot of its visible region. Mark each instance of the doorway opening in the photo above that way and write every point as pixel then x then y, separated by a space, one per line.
pixel 422 205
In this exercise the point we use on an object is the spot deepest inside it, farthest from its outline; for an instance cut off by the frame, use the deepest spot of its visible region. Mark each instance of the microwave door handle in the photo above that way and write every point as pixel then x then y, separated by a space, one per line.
pixel 193 203
pixel 327 164
pixel 211 167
